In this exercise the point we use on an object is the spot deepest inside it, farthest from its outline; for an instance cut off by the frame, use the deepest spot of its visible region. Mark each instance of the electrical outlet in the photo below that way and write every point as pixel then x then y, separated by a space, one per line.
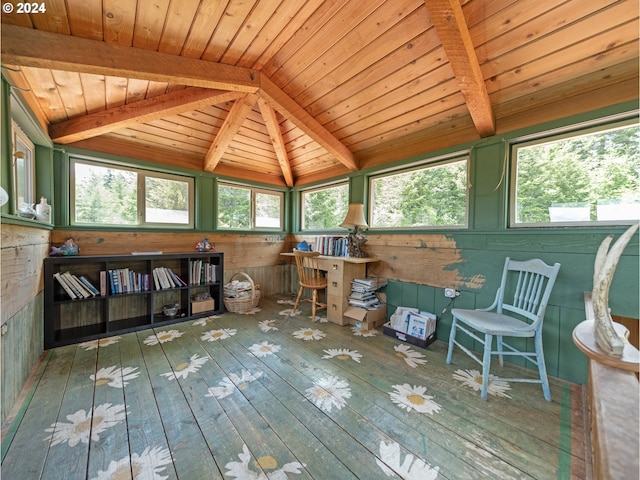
pixel 451 293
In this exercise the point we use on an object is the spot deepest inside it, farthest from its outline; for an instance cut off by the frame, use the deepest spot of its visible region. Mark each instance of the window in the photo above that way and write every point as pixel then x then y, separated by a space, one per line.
pixel 104 194
pixel 249 208
pixel 590 177
pixel 23 168
pixel 325 208
pixel 434 195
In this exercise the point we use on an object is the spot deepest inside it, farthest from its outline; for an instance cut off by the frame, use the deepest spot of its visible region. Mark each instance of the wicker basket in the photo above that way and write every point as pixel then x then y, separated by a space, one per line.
pixel 247 298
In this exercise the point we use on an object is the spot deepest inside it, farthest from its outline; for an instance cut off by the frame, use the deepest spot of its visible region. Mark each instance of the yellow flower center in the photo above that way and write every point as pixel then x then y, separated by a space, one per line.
pixel 102 381
pixel 308 333
pixel 182 366
pixel 123 472
pixel 400 354
pixel 416 399
pixel 243 386
pixel 478 380
pixel 217 334
pixel 322 393
pixel 344 356
pixel 165 336
pixel 266 462
pixel 265 348
pixel 85 425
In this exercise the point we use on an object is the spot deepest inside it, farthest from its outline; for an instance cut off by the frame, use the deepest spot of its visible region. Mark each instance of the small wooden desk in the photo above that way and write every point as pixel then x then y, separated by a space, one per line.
pixel 340 272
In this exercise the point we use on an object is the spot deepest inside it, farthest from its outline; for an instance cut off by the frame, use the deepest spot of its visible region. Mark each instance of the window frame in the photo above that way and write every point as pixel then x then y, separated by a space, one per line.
pixel 424 164
pixel 141 176
pixel 254 191
pixel 319 188
pixel 553 136
pixel 18 135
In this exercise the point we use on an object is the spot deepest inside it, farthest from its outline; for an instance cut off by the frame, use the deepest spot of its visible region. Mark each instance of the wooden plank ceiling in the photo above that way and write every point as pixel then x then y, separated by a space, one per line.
pixel 289 92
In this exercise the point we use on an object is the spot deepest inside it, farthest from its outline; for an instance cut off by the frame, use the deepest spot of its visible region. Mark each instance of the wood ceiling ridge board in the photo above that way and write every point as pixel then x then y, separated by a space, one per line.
pixel 229 128
pixel 137 112
pixel 118 22
pixel 209 13
pixel 555 42
pixel 398 117
pixel 604 78
pixel 227 28
pixel 85 20
pixel 357 62
pixel 55 19
pixel 450 23
pixel 411 93
pixel 251 27
pixel 347 18
pixel 309 28
pixel 22 46
pixel 614 64
pixel 149 24
pixel 177 25
pixel 403 63
pixel 367 139
pixel 43 86
pixel 287 107
pixel 374 38
pixel 288 18
pixel 570 56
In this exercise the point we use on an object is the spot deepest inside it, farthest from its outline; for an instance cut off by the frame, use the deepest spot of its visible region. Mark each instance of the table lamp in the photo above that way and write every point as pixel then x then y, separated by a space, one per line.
pixel 355 220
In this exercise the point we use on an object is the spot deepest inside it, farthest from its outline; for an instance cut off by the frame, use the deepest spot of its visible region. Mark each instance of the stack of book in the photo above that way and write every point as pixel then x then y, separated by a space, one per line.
pixel 76 287
pixel 125 280
pixel 363 292
pixel 202 273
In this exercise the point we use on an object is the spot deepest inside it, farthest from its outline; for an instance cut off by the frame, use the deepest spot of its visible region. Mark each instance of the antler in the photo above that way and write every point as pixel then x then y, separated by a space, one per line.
pixel 604 268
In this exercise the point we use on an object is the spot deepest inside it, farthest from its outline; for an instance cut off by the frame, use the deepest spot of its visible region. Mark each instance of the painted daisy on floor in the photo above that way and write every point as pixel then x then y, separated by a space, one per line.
pixel 309 334
pixel 358 332
pixel 411 468
pixel 163 337
pixel 114 376
pixel 287 302
pixel 343 354
pixel 328 393
pixel 202 322
pixel 263 349
pixel 289 312
pixel 268 464
pixel 413 398
pixel 319 319
pixel 473 379
pixel 220 334
pixel 229 384
pixel 184 369
pixel 148 465
pixel 82 425
pixel 410 356
pixel 102 342
pixel 251 311
pixel 267 325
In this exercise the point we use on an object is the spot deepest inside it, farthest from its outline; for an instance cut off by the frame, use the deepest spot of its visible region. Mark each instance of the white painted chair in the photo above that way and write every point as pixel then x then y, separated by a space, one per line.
pixel 526 286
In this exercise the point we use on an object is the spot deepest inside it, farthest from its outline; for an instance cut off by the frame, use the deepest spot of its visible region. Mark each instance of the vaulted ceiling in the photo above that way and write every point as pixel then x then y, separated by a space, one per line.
pixel 288 92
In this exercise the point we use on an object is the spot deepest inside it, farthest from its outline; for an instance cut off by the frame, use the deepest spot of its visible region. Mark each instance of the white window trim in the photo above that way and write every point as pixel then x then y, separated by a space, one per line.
pixel 18 134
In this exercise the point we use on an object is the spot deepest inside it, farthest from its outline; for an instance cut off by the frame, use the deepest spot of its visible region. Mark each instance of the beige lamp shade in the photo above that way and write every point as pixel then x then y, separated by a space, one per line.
pixel 355 216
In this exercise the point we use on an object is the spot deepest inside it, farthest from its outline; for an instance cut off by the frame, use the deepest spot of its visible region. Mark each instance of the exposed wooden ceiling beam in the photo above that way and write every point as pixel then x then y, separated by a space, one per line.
pixel 273 127
pixel 449 22
pixel 36 48
pixel 174 103
pixel 281 102
pixel 232 123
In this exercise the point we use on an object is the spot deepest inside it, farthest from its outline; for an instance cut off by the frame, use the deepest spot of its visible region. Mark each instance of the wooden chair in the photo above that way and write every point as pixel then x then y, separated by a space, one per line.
pixel 528 284
pixel 311 277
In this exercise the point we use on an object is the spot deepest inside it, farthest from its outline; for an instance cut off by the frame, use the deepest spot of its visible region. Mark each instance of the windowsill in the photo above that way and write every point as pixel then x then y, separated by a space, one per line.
pixel 25 222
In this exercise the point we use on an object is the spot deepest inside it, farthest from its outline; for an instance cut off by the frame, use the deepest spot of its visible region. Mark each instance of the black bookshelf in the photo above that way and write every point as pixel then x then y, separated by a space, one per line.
pixel 137 303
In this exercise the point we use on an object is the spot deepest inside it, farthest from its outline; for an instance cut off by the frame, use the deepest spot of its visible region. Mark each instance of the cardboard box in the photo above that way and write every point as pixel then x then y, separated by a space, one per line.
pixel 202 306
pixel 365 319
pixel 405 337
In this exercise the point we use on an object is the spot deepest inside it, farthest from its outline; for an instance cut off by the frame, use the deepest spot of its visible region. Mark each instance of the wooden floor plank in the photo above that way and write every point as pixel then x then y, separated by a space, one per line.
pixel 199 405
pixel 41 414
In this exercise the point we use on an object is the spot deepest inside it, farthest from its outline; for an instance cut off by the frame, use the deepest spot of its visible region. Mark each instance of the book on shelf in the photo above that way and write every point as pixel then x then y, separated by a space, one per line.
pixel 103 283
pixel 89 285
pixel 77 287
pixel 65 286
